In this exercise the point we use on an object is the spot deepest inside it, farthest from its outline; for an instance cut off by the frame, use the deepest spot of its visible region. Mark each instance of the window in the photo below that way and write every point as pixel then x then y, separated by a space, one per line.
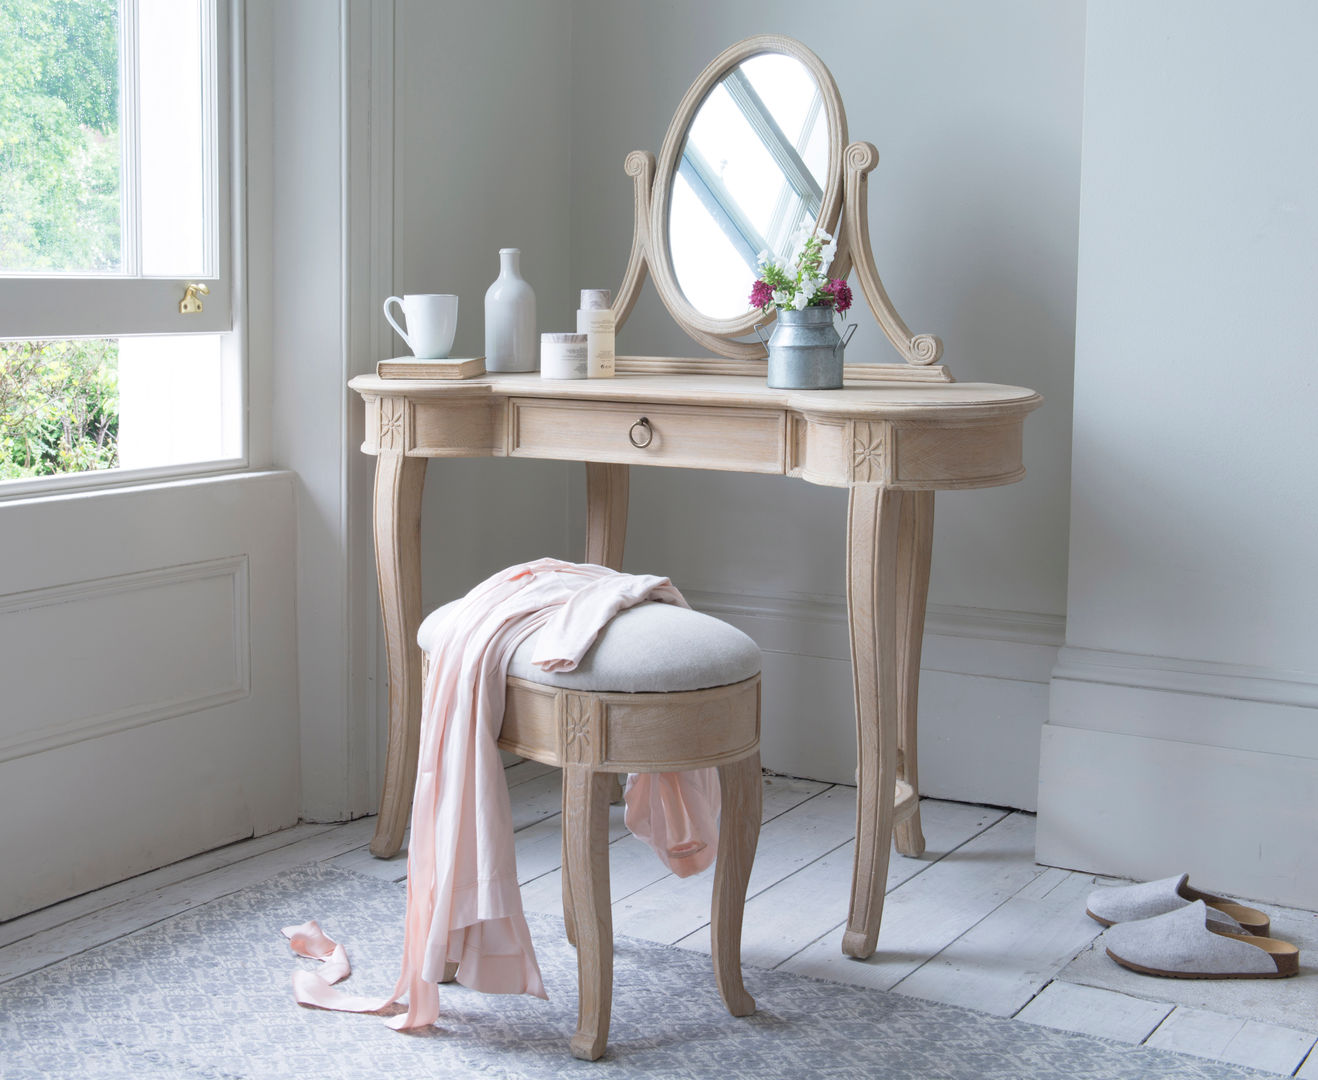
pixel 114 197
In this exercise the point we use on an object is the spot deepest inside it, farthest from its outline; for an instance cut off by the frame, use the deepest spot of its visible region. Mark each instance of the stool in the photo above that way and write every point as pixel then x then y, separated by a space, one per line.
pixel 663 689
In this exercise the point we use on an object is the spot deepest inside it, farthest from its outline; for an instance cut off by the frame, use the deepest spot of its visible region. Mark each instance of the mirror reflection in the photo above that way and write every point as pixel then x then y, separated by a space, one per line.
pixel 750 176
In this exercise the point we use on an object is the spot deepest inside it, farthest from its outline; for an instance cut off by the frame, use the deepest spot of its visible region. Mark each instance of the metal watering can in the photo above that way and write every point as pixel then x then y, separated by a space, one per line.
pixel 805 351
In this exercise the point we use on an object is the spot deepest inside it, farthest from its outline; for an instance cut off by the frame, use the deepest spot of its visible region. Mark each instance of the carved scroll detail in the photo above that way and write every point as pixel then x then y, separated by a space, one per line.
pixel 924 349
pixel 919 349
pixel 640 167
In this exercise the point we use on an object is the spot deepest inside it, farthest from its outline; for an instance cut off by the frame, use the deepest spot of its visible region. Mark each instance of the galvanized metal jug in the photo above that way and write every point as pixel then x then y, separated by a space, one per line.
pixel 805 351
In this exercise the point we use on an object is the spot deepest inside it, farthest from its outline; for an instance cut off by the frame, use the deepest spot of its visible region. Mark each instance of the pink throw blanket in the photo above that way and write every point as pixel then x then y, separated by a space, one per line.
pixel 463 902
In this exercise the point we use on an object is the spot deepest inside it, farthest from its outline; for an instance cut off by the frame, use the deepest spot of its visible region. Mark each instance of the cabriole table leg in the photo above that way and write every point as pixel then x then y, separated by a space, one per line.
pixel 873 529
pixel 399 481
pixel 915 547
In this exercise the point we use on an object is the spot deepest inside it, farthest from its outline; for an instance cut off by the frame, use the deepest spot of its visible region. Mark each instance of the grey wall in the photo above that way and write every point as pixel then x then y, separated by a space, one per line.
pixel 1194 500
pixel 975 110
pixel 1183 730
pixel 512 121
pixel 1181 725
pixel 482 161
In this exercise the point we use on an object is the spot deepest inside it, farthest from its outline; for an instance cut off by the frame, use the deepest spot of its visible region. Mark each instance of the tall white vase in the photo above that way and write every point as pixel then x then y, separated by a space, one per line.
pixel 510 341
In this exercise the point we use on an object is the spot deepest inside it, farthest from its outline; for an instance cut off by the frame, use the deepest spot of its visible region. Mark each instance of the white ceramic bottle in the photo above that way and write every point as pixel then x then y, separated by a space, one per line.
pixel 595 319
pixel 510 343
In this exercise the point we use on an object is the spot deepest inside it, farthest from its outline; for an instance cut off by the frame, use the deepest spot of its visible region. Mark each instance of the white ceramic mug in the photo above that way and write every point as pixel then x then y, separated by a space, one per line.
pixel 432 320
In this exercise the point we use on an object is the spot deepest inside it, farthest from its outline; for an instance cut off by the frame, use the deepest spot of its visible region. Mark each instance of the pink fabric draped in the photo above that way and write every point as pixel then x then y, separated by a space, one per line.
pixel 463 902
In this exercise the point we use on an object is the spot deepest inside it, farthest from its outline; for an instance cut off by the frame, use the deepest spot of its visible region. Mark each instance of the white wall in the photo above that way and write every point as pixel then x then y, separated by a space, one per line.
pixel 1183 734
pixel 975 109
pixel 146 649
pixel 304 174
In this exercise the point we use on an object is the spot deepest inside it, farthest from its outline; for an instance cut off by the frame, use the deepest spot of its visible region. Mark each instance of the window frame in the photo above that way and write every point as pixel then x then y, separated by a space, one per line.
pixel 62 306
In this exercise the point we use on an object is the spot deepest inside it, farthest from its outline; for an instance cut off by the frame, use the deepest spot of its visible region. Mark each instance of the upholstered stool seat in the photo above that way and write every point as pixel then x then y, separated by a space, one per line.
pixel 654 648
pixel 663 689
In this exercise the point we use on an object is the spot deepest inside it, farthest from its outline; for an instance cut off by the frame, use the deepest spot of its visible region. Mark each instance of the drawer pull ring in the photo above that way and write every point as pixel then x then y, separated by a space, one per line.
pixel 644 424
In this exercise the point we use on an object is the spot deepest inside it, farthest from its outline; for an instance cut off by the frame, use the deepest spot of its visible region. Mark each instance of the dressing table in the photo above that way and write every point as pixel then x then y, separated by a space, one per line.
pixel 892 436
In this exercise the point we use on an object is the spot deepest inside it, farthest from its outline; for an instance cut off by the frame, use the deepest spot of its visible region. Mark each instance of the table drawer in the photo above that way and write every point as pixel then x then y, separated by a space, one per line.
pixel 691 437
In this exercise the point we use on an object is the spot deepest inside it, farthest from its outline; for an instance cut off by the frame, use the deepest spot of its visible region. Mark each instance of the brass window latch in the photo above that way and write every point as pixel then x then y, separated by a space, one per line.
pixel 191 302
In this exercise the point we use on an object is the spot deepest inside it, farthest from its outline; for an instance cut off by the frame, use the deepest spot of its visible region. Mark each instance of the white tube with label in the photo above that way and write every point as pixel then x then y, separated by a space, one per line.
pixel 595 320
pixel 563 356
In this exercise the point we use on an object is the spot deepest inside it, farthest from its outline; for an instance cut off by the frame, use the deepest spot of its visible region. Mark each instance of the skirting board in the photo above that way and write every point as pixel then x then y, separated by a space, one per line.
pixel 1238 821
pixel 983 693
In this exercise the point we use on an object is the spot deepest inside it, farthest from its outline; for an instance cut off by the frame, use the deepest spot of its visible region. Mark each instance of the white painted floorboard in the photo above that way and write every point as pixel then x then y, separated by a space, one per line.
pixel 1309 1070
pixel 1226 1038
pixel 999 964
pixel 99 926
pixel 924 915
pixel 974 922
pixel 1093 1010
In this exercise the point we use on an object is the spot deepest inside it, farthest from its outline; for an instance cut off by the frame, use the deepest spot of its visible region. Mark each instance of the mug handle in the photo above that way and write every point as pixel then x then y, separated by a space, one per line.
pixel 401 332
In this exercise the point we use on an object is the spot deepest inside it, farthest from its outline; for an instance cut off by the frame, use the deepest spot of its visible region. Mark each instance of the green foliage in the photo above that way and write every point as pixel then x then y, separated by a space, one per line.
pixel 59 407
pixel 59 135
pixel 59 211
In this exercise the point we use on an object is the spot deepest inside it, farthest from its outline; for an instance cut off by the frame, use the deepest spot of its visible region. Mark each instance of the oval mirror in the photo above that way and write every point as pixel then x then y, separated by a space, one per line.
pixel 752 159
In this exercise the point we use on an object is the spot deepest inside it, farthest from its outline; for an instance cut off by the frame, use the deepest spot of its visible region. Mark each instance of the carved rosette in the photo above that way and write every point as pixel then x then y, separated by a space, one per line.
pixel 576 730
pixel 393 413
pixel 868 452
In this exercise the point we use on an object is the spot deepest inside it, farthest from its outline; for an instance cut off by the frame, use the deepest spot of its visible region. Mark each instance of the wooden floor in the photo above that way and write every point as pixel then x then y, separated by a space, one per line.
pixel 975 922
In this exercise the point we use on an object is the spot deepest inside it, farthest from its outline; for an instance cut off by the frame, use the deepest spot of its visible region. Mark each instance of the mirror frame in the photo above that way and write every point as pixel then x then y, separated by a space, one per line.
pixel 718 334
pixel 844 213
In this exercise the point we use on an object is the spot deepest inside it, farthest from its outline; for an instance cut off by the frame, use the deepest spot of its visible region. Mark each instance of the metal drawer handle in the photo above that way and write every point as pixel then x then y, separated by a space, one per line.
pixel 644 424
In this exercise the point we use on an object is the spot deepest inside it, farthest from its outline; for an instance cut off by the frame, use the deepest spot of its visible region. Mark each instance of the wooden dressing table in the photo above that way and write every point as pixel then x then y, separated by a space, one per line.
pixel 891 444
pixel 892 435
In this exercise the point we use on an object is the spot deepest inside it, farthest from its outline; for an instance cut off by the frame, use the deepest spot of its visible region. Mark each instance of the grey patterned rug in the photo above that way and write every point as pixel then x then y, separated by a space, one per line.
pixel 206 994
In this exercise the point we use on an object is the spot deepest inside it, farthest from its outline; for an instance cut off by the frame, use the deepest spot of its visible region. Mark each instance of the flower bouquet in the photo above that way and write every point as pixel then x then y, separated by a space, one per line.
pixel 799 282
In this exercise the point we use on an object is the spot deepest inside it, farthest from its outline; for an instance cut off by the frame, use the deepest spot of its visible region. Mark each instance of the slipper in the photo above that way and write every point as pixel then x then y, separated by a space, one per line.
pixel 1126 903
pixel 1185 944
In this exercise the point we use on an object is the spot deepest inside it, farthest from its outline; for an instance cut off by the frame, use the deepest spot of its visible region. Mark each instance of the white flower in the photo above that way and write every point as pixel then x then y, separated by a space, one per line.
pixel 811 285
pixel 782 297
pixel 827 253
pixel 763 257
pixel 801 300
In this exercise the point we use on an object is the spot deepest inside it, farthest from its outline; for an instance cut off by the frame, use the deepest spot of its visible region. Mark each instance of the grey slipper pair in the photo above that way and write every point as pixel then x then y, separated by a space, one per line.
pixel 1168 928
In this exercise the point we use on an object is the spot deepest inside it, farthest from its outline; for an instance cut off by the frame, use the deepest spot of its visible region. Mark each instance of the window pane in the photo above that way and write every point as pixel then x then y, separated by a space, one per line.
pixel 176 400
pixel 172 131
pixel 59 407
pixel 60 171
pixel 105 403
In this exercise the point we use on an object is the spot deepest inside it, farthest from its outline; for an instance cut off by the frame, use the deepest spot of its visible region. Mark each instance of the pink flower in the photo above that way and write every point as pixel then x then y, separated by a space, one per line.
pixel 841 293
pixel 761 294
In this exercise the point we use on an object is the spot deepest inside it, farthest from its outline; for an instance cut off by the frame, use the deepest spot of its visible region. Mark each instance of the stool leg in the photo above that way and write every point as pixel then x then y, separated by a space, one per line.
pixel 569 920
pixel 739 830
pixel 586 825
